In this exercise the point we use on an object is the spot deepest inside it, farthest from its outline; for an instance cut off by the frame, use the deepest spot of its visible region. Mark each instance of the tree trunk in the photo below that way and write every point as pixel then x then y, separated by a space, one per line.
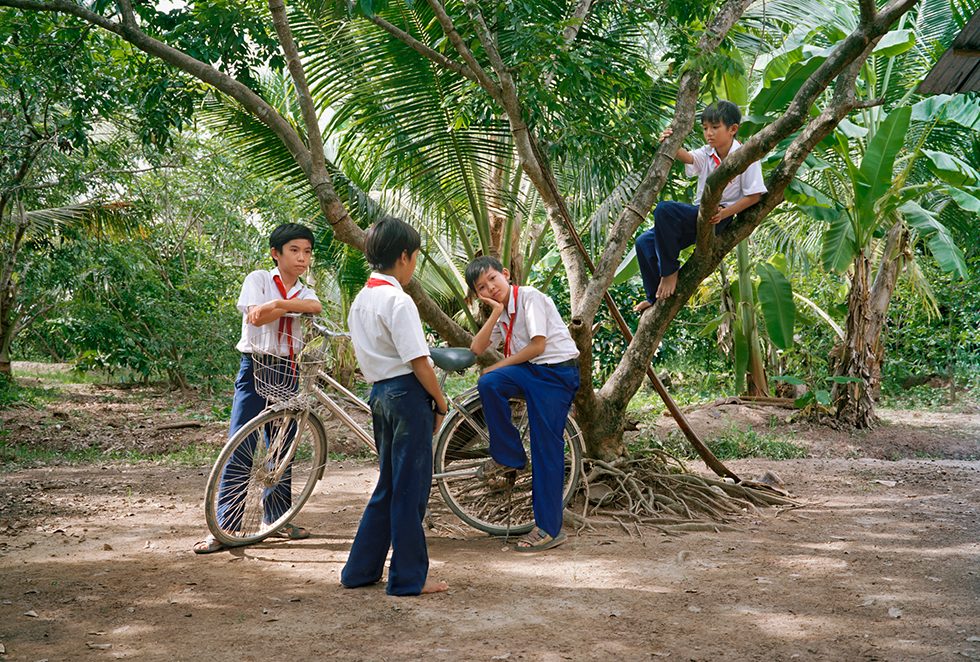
pixel 754 381
pixel 892 262
pixel 856 357
pixel 862 353
pixel 7 324
pixel 602 428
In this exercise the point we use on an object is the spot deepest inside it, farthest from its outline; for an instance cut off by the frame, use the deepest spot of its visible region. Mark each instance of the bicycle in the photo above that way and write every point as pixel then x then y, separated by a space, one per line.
pixel 271 481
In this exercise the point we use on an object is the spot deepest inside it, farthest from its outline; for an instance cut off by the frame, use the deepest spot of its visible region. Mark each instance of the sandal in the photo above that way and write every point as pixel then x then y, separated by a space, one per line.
pixel 292 532
pixel 496 475
pixel 538 541
pixel 209 545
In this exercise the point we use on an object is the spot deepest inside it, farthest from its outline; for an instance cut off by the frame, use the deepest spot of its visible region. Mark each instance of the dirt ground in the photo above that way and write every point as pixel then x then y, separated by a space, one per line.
pixel 881 563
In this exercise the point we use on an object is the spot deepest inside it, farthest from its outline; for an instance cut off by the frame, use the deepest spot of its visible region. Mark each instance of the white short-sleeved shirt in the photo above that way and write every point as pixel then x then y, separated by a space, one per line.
pixel 705 162
pixel 386 330
pixel 258 288
pixel 536 315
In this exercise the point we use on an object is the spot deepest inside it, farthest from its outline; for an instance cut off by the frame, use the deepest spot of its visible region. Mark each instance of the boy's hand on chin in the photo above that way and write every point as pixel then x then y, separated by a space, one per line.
pixel 495 306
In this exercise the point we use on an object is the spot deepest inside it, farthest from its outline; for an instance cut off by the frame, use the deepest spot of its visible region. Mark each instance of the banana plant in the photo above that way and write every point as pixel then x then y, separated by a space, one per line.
pixel 884 203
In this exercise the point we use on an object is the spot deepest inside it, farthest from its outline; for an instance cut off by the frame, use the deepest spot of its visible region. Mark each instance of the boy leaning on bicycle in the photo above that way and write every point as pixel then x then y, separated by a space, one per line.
pixel 265 298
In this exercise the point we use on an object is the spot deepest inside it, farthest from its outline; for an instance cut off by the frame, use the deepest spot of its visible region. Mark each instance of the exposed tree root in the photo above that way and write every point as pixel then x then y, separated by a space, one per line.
pixel 655 490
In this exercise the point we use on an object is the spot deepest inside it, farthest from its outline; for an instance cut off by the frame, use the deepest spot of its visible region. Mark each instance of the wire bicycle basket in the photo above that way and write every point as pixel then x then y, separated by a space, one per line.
pixel 285 360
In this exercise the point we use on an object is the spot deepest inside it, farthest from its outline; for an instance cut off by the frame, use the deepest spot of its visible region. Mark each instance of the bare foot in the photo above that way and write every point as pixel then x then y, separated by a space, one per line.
pixel 643 305
pixel 432 586
pixel 667 286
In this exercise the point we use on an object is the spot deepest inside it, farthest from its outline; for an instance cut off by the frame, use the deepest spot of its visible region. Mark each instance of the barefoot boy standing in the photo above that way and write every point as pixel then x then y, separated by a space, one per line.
pixel 540 366
pixel 676 223
pixel 407 406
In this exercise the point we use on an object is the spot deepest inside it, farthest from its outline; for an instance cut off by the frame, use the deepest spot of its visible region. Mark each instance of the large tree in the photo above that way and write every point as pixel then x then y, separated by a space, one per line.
pixel 473 42
pixel 62 84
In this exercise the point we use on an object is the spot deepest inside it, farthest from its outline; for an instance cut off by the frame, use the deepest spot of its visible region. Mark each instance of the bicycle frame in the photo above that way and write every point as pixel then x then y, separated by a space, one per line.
pixel 335 409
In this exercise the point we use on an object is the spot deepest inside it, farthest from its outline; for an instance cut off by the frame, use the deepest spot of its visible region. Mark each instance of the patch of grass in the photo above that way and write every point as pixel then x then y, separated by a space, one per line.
pixel 22 456
pixel 60 372
pixel 736 443
pixel 733 444
pixel 929 398
pixel 12 393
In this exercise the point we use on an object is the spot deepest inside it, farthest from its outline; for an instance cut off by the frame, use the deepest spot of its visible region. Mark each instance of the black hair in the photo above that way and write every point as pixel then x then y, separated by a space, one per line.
pixel 722 111
pixel 387 240
pixel 286 232
pixel 479 266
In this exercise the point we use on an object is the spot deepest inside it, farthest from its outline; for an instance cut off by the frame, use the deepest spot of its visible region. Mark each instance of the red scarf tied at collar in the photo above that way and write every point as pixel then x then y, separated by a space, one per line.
pixel 285 323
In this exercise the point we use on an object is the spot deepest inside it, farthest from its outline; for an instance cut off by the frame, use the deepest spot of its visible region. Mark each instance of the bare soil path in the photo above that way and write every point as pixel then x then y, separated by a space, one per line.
pixel 883 563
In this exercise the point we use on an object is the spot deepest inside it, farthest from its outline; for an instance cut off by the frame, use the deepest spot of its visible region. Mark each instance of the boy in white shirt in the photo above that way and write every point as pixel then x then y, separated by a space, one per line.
pixel 407 406
pixel 265 298
pixel 539 366
pixel 676 223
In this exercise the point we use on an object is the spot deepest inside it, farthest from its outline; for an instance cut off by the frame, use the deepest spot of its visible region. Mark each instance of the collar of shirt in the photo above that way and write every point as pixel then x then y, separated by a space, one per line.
pixel 386 278
pixel 295 288
pixel 712 151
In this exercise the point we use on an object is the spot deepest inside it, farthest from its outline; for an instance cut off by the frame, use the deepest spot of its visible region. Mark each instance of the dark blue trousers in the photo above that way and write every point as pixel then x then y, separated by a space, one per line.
pixel 675 227
pixel 246 405
pixel 548 392
pixel 403 418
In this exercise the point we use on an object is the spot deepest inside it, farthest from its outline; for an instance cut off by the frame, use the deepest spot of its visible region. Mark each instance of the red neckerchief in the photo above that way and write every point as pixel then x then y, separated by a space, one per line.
pixel 377 282
pixel 715 159
pixel 510 328
pixel 285 323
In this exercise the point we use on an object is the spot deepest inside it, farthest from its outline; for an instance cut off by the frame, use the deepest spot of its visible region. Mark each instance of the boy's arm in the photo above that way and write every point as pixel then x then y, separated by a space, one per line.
pixel 427 378
pixel 482 338
pixel 273 310
pixel 735 207
pixel 682 154
pixel 534 349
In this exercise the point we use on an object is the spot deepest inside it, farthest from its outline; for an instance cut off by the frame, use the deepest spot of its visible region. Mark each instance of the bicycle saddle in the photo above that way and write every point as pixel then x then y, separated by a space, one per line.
pixel 454 359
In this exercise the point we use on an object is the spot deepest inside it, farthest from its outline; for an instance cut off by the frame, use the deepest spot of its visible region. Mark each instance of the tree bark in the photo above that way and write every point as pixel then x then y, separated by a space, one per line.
pixel 852 400
pixel 861 354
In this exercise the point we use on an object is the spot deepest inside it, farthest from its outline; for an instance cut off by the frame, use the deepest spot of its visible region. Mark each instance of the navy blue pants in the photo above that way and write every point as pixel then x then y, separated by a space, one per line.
pixel 246 405
pixel 675 227
pixel 402 414
pixel 548 392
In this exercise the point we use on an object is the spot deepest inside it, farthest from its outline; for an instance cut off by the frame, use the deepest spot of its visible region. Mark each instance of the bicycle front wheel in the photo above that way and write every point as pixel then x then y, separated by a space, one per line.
pixel 463 444
pixel 264 475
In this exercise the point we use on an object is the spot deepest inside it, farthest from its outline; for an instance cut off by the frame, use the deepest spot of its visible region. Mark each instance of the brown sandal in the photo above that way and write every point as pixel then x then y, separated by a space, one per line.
pixel 292 532
pixel 538 541
pixel 496 475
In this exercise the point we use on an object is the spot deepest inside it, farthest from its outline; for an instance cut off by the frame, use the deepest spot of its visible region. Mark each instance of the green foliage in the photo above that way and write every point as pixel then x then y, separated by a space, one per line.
pixel 14 457
pixel 776 299
pixel 152 306
pixel 734 443
pixel 12 393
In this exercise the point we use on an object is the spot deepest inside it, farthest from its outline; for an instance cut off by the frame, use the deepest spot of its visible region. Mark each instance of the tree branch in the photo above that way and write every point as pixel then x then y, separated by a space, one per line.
pixel 456 40
pixel 639 206
pixel 621 385
pixel 430 54
pixel 126 13
pixel 333 209
pixel 852 49
pixel 868 10
pixel 570 34
pixel 249 100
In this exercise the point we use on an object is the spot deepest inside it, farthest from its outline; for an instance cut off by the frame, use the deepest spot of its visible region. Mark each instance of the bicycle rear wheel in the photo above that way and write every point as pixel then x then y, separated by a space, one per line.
pixel 264 475
pixel 463 444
